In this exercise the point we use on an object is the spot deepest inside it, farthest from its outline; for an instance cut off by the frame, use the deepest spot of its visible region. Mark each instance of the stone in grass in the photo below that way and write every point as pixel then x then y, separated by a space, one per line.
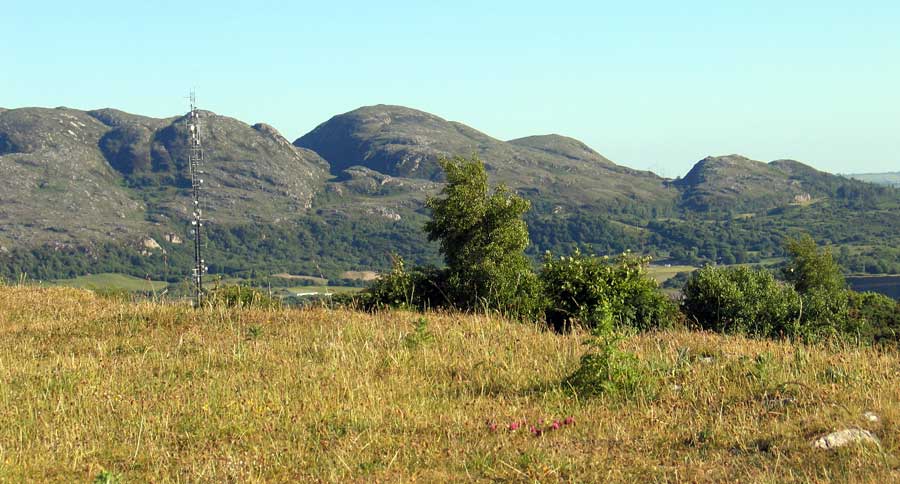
pixel 871 417
pixel 845 437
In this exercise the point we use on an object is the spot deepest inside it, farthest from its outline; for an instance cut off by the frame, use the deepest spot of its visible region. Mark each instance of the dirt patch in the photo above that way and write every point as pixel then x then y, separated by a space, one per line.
pixel 360 275
pixel 316 280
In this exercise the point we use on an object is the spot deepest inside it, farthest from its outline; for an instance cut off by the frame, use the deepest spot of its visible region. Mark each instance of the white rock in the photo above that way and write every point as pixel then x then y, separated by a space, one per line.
pixel 845 437
pixel 173 238
pixel 871 417
pixel 151 244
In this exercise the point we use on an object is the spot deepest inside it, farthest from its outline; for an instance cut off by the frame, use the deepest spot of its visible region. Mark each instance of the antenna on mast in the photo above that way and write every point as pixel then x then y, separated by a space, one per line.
pixel 195 159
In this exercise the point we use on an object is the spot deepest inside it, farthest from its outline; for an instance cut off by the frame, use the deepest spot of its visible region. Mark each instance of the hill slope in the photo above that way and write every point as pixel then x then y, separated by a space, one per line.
pixel 403 142
pixel 56 185
pixel 73 177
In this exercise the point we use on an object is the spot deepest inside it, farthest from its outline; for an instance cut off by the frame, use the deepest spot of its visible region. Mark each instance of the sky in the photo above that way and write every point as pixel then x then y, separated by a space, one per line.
pixel 653 85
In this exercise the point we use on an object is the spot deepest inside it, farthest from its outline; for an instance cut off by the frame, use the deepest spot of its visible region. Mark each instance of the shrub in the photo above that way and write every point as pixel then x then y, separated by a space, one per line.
pixel 483 238
pixel 878 316
pixel 827 312
pixel 601 293
pixel 235 296
pixel 607 370
pixel 742 300
pixel 419 288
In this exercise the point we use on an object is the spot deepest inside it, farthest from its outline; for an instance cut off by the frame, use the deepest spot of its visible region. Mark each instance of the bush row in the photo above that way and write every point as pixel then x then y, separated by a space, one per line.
pixel 752 301
pixel 578 290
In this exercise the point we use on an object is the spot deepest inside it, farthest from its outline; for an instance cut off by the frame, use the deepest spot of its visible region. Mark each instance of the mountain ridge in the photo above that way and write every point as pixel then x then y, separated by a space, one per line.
pixel 82 178
pixel 405 142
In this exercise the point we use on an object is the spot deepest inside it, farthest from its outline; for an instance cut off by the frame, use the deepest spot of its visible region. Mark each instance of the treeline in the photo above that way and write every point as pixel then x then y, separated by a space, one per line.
pixel 695 240
pixel 483 236
pixel 318 245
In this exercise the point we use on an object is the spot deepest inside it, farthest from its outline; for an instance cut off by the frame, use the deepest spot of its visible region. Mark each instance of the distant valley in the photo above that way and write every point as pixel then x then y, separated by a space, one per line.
pixel 888 178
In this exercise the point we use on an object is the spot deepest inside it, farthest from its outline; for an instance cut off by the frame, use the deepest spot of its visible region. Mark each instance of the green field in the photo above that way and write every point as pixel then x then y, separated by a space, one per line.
pixel 111 282
pixel 664 273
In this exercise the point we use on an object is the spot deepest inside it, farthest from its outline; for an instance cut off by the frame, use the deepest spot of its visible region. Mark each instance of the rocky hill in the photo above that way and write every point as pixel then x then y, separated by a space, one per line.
pixel 737 183
pixel 74 176
pixel 57 187
pixel 403 142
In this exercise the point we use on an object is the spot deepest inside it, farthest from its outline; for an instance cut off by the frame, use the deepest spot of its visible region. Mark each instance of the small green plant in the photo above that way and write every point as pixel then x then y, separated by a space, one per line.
pixel 254 332
pixel 608 370
pixel 107 477
pixel 763 369
pixel 234 296
pixel 419 336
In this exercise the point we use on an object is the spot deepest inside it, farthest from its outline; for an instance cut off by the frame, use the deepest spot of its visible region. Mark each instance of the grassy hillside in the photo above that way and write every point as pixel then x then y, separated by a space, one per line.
pixel 151 392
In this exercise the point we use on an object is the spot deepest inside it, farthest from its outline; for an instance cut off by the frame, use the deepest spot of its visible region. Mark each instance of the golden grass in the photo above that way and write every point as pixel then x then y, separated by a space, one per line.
pixel 162 393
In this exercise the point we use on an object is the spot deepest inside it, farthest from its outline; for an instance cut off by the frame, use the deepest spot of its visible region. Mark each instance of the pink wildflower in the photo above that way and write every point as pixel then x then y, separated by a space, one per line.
pixel 555 425
pixel 514 426
pixel 568 421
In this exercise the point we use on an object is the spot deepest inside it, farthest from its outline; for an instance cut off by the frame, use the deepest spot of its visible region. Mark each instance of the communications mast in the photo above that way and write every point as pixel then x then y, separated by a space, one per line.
pixel 195 160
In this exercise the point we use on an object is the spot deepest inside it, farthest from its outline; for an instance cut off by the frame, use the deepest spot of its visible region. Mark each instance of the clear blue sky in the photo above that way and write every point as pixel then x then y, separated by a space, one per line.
pixel 653 84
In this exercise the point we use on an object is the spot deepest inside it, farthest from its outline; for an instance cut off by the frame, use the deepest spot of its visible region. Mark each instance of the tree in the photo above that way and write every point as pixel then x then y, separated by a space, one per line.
pixel 810 268
pixel 483 238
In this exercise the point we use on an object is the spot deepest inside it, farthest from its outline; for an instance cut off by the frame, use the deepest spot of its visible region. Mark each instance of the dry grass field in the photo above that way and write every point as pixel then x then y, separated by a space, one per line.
pixel 151 392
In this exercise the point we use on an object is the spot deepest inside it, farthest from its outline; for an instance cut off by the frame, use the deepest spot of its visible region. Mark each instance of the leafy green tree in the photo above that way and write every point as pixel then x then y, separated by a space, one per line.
pixel 483 238
pixel 811 268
